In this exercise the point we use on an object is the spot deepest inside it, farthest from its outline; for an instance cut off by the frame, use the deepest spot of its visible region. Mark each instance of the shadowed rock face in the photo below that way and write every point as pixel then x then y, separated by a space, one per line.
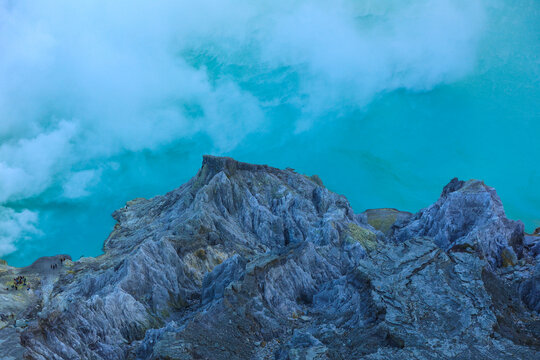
pixel 252 262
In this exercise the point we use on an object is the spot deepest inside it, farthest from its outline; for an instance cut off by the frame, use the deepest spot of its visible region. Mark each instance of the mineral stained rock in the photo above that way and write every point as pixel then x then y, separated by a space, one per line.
pixel 252 262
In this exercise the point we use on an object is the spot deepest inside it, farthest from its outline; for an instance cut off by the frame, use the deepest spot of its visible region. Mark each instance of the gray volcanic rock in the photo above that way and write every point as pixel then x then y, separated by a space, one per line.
pixel 469 215
pixel 252 262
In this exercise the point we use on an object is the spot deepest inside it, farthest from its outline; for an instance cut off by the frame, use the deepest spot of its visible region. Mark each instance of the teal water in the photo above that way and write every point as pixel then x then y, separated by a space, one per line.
pixel 386 101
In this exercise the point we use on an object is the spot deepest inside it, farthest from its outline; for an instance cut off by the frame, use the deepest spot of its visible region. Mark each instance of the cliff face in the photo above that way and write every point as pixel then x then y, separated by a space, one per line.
pixel 251 262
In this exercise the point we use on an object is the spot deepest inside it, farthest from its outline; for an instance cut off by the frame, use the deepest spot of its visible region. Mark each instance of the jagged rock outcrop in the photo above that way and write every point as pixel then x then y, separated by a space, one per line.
pixel 252 262
pixel 469 215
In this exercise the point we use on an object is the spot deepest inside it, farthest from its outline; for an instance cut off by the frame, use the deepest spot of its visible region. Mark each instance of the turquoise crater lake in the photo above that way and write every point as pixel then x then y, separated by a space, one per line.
pixel 385 102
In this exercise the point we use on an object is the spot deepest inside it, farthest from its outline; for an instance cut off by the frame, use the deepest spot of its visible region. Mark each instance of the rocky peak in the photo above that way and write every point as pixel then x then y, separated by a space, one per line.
pixel 469 215
pixel 212 165
pixel 252 262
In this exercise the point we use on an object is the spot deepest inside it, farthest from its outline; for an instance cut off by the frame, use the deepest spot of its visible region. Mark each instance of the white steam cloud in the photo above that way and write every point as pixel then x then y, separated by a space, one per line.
pixel 86 80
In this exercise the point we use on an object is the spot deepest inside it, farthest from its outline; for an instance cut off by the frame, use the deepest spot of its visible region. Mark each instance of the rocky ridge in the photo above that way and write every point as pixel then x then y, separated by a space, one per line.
pixel 251 262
